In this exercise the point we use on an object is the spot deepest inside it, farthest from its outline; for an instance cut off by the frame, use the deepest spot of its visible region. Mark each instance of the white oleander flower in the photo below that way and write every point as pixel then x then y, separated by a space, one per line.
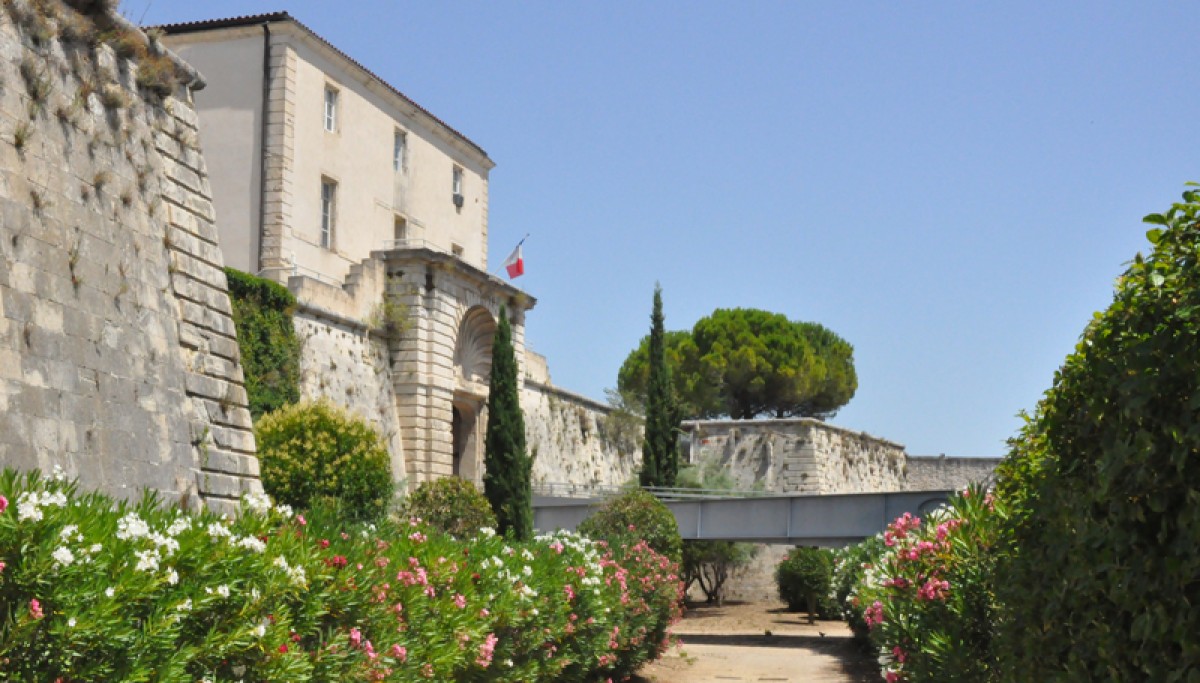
pixel 132 526
pixel 63 556
pixel 217 530
pixel 110 591
pixel 223 590
pixel 172 577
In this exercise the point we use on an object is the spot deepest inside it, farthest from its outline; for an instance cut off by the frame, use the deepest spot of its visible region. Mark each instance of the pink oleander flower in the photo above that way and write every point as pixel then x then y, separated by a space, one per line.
pixel 460 601
pixel 301 521
pixel 891 677
pixel 486 650
pixel 35 609
pixel 355 638
pixel 3 504
pixel 899 653
pixel 873 615
pixel 400 653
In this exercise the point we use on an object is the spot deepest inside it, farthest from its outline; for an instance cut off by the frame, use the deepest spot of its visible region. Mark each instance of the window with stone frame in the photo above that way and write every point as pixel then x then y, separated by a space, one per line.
pixel 328 212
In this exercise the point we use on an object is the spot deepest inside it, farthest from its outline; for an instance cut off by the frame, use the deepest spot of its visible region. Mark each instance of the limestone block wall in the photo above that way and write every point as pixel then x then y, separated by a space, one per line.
pixel 940 472
pixel 576 440
pixel 350 368
pixel 118 359
pixel 797 455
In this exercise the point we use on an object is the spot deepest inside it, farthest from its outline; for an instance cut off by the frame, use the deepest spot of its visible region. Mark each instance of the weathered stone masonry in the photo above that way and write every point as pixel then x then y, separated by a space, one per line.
pixel 118 357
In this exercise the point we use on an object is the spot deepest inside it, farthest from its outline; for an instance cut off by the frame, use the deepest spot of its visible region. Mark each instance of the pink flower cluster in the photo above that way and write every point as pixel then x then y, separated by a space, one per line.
pixel 899 529
pixel 873 615
pixel 934 589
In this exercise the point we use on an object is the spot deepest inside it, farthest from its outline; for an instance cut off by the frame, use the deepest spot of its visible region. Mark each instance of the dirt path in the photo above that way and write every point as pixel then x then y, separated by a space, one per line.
pixel 731 643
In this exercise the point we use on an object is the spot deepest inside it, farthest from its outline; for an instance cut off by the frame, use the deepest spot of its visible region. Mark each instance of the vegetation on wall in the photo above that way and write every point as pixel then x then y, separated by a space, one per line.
pixel 660 444
pixel 744 363
pixel 317 453
pixel 270 349
pixel 507 479
pixel 1104 481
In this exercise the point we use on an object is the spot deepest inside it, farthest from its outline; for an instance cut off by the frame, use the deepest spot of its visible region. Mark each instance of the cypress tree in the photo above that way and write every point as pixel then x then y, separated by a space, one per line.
pixel 506 481
pixel 660 461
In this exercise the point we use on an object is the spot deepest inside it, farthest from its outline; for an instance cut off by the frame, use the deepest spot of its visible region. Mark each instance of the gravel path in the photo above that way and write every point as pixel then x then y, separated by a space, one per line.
pixel 731 643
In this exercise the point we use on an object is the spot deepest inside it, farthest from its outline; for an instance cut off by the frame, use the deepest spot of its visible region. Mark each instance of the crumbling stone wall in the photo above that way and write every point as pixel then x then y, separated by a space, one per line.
pixel 575 440
pixel 118 359
pixel 798 455
pixel 937 473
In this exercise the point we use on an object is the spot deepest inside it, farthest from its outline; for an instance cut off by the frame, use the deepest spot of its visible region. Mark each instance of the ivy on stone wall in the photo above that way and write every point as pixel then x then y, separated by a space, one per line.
pixel 262 312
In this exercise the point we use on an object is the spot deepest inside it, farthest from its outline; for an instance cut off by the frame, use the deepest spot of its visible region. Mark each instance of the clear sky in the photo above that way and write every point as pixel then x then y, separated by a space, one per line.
pixel 952 187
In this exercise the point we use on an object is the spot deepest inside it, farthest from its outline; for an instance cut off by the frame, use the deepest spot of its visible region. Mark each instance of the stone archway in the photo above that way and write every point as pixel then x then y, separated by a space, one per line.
pixel 472 371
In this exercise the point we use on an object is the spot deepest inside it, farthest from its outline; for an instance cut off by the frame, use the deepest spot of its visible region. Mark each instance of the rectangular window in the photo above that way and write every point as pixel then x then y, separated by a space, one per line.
pixel 457 182
pixel 331 102
pixel 400 229
pixel 399 147
pixel 328 212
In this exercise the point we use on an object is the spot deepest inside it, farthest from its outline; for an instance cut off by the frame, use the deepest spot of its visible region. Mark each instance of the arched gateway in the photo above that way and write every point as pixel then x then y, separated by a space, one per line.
pixel 442 363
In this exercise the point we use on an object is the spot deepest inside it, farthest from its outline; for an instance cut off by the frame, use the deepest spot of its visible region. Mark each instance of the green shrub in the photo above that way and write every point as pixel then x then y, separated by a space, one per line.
pixel 804 579
pixel 632 516
pixel 1104 479
pixel 451 505
pixel 270 350
pixel 318 453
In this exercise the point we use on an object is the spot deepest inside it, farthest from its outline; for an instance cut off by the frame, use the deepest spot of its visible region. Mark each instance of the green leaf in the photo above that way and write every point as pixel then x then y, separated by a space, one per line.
pixel 1156 279
pixel 1154 234
pixel 1156 218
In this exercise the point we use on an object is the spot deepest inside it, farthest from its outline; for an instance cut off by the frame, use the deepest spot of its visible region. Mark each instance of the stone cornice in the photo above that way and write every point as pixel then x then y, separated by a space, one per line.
pixel 485 283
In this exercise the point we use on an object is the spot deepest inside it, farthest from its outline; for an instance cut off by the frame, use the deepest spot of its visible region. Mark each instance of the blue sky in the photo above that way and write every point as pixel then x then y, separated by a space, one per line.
pixel 952 187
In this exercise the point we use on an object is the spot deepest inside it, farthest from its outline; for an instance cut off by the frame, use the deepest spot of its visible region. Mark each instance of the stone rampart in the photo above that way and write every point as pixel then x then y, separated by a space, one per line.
pixel 930 473
pixel 799 455
pixel 118 357
pixel 576 440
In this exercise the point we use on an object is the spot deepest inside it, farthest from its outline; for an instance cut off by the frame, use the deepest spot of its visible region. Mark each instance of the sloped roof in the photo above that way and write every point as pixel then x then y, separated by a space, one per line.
pixel 277 17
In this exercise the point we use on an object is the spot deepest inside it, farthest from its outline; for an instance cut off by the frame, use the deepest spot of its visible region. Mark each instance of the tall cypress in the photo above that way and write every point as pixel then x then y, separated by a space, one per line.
pixel 660 461
pixel 506 482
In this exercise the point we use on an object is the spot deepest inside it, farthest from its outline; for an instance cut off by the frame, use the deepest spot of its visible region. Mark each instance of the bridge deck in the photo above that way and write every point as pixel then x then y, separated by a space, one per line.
pixel 826 520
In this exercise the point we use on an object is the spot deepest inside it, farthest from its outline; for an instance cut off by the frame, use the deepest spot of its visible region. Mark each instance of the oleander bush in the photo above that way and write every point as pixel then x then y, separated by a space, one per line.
pixel 450 504
pixel 632 516
pixel 850 566
pixel 926 590
pixel 1104 481
pixel 97 590
pixel 317 453
pixel 804 578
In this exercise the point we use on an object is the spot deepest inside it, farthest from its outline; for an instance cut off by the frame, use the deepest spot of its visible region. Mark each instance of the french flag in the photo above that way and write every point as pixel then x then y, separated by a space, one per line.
pixel 515 263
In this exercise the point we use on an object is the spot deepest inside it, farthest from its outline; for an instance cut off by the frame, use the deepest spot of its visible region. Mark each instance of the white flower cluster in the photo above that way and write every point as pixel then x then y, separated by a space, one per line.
pixel 63 556
pixel 261 504
pixel 250 543
pixel 295 574
pixel 131 526
pixel 487 532
pixel 30 503
pixel 218 530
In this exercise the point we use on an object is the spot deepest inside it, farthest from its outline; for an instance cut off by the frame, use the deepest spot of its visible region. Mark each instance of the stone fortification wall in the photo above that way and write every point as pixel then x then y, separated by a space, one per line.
pixel 791 456
pixel 118 358
pixel 930 473
pixel 563 433
pixel 797 455
pixel 344 356
pixel 577 440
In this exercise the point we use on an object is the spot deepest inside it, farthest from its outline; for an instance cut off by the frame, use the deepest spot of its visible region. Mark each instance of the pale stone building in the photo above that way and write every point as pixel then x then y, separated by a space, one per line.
pixel 331 181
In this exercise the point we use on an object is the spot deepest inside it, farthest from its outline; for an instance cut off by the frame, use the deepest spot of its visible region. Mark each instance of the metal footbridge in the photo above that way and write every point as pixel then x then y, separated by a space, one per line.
pixel 831 520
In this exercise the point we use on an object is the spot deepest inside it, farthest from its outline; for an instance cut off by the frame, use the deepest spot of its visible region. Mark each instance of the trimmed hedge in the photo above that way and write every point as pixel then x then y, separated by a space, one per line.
pixel 1104 481
pixel 270 350
pixel 804 579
